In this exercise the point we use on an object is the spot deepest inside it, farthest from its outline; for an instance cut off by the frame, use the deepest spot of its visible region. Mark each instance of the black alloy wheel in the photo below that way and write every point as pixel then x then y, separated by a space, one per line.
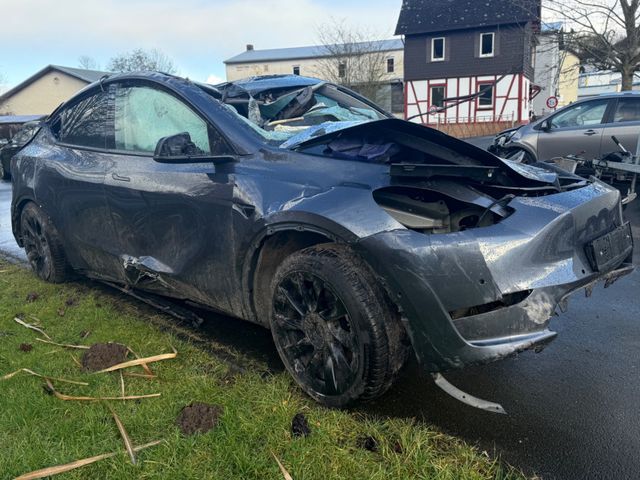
pixel 42 245
pixel 335 329
pixel 316 333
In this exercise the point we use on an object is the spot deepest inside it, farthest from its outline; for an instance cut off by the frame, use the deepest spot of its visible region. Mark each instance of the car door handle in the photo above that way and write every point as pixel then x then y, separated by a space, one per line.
pixel 120 178
pixel 590 132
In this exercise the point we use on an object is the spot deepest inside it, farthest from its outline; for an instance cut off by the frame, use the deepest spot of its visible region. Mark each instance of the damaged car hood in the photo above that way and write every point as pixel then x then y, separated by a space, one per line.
pixel 448 150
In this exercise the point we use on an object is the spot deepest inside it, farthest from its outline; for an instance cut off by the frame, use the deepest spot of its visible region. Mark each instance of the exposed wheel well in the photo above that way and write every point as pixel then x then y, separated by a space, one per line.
pixel 17 213
pixel 273 250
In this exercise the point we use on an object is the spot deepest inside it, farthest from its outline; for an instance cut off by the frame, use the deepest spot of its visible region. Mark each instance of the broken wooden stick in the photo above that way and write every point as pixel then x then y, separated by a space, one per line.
pixel 47 472
pixel 32 327
pixel 144 366
pixel 31 372
pixel 62 396
pixel 139 361
pixel 139 375
pixel 125 436
pixel 65 345
pixel 285 474
pixel 121 384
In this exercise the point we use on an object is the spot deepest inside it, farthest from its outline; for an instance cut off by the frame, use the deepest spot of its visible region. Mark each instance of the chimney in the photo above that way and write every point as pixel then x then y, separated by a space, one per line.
pixel 249 47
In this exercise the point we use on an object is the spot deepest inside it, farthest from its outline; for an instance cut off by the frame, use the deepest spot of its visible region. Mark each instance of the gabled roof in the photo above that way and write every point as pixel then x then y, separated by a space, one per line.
pixel 299 53
pixel 428 16
pixel 88 76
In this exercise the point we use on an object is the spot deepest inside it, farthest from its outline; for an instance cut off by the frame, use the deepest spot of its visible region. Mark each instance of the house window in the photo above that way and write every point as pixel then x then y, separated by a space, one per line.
pixel 487 41
pixel 296 70
pixel 437 49
pixel 342 69
pixel 390 65
pixel 485 99
pixel 437 95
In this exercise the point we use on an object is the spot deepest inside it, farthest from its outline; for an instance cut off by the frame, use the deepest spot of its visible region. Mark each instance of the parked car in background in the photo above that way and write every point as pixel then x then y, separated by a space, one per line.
pixel 583 128
pixel 18 141
pixel 357 238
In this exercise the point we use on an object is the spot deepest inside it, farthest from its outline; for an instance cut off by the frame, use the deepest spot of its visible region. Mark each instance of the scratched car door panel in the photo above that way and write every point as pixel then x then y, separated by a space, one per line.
pixel 172 221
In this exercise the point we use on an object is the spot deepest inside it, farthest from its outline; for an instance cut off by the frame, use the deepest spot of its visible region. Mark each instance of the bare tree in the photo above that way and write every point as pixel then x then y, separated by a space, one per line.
pixel 602 33
pixel 85 61
pixel 353 58
pixel 142 60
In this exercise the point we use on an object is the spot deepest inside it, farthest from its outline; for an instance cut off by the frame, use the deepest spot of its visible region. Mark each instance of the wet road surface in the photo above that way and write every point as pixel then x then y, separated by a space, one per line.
pixel 573 410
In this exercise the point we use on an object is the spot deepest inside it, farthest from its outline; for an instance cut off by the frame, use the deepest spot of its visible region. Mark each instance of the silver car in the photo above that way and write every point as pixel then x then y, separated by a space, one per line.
pixel 583 128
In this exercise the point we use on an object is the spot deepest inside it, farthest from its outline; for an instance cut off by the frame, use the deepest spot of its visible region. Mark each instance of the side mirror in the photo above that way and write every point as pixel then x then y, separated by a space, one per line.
pixel 179 148
pixel 545 126
pixel 176 148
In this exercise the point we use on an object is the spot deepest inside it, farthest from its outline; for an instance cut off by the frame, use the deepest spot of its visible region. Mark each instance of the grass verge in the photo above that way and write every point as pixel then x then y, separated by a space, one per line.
pixel 38 430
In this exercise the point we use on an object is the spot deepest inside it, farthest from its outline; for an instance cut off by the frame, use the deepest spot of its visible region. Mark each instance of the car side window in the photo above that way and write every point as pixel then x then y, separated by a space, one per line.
pixel 84 123
pixel 627 110
pixel 581 115
pixel 144 115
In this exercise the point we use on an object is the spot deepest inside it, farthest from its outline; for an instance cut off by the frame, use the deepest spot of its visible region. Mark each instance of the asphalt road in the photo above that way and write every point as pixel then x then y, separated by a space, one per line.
pixel 573 410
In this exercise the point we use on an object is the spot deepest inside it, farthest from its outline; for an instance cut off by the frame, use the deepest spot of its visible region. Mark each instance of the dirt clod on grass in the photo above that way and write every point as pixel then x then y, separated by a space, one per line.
pixel 397 447
pixel 198 418
pixel 71 301
pixel 300 426
pixel 32 296
pixel 368 443
pixel 103 355
pixel 26 347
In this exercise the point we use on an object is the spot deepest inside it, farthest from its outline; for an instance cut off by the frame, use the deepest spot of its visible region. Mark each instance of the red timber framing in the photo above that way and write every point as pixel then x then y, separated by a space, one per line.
pixel 498 110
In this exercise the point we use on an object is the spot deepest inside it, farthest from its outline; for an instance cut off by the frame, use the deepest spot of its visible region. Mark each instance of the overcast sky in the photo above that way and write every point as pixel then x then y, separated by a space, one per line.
pixel 197 34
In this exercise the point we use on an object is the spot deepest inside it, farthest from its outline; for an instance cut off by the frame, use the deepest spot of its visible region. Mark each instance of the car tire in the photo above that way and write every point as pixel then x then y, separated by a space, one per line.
pixel 42 245
pixel 335 329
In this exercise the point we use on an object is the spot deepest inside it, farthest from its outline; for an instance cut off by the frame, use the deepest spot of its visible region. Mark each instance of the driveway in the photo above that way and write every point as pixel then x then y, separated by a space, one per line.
pixel 573 409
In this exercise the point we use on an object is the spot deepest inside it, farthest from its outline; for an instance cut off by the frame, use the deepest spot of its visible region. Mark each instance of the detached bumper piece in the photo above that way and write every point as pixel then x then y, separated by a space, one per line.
pixel 465 398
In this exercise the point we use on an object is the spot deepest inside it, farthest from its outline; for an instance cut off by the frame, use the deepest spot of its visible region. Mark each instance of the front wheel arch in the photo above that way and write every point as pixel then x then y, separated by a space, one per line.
pixel 16 214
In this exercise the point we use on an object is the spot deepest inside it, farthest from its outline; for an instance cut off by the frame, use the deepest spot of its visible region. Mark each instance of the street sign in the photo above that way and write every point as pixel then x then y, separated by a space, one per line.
pixel 552 102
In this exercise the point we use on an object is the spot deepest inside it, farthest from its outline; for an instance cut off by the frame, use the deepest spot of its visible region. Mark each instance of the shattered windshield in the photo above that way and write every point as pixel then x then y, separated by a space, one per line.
pixel 288 118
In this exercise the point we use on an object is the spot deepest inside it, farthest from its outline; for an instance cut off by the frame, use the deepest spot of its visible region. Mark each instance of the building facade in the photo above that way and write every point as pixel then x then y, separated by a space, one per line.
pixel 556 71
pixel 468 62
pixel 596 82
pixel 42 92
pixel 312 61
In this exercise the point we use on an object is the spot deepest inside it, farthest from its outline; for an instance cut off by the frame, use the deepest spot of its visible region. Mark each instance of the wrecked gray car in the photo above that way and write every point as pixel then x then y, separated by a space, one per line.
pixel 296 204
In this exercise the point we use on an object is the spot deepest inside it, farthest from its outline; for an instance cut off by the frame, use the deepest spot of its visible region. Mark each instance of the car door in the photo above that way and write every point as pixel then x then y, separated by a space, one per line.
pixel 625 125
pixel 576 130
pixel 69 184
pixel 173 221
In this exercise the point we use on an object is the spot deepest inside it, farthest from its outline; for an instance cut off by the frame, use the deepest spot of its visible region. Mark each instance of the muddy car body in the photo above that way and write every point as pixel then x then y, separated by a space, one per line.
pixel 354 236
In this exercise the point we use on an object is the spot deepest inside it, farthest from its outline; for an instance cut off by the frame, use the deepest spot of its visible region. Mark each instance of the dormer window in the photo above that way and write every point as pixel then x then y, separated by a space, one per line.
pixel 437 49
pixel 487 44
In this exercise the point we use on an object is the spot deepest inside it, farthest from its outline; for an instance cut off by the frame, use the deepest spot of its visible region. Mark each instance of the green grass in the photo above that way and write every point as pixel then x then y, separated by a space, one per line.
pixel 38 430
